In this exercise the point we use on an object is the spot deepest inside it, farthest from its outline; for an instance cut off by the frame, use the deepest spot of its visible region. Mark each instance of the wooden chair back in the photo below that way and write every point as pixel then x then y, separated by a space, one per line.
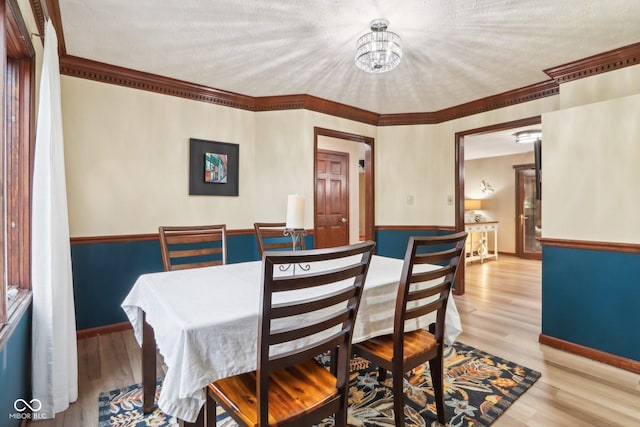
pixel 421 291
pixel 414 300
pixel 193 246
pixel 271 236
pixel 303 316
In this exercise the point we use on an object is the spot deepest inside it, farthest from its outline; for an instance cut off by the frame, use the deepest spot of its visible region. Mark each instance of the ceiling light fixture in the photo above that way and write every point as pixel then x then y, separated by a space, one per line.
pixel 380 50
pixel 528 136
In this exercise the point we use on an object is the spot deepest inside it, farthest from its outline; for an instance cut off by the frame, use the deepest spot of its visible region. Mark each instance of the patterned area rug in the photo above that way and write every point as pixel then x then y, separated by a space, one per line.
pixel 479 387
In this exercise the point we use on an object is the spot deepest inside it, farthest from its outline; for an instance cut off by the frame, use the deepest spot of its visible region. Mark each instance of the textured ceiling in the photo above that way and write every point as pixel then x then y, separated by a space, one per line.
pixel 455 51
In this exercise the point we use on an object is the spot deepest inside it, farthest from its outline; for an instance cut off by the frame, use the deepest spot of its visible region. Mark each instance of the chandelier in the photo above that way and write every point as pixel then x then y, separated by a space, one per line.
pixel 380 50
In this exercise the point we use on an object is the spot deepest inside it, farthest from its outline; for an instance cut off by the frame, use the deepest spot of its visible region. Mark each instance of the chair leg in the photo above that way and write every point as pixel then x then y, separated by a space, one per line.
pixel 436 367
pixel 210 411
pixel 382 374
pixel 340 419
pixel 398 398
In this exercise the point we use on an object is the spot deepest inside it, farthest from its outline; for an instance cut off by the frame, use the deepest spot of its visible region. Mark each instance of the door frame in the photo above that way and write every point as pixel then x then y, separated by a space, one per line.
pixel 369 229
pixel 459 174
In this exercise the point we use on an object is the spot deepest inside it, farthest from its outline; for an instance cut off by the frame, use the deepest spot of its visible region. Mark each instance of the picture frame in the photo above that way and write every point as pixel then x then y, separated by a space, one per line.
pixel 213 168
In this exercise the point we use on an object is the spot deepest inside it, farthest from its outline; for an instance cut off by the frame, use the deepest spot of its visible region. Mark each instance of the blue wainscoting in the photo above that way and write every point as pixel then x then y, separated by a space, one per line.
pixel 15 359
pixel 590 297
pixel 104 272
pixel 393 242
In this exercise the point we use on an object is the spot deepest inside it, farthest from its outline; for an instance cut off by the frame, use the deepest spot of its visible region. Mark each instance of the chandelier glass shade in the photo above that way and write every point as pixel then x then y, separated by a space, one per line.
pixel 380 50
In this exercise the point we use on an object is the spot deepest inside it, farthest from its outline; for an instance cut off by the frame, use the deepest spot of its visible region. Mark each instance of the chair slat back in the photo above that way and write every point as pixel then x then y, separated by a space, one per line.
pixel 422 292
pixel 186 247
pixel 270 236
pixel 313 312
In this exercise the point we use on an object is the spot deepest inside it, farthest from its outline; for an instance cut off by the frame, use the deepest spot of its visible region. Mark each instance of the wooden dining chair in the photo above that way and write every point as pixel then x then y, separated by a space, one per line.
pixel 270 236
pixel 402 351
pixel 302 316
pixel 193 246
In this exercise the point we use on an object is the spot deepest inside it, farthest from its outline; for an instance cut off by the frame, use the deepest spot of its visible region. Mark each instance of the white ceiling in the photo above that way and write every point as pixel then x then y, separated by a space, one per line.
pixel 455 51
pixel 495 144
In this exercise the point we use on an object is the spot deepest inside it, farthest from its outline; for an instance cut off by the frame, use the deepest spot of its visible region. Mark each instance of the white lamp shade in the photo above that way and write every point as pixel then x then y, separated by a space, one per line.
pixel 295 212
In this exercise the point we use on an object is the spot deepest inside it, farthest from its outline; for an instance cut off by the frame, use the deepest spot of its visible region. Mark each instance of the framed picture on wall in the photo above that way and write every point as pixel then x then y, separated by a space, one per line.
pixel 213 168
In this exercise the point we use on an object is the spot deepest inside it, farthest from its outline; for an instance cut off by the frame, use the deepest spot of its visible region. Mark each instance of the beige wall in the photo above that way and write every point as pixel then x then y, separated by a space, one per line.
pixel 590 174
pixel 127 150
pixel 501 204
pixel 127 159
pixel 590 160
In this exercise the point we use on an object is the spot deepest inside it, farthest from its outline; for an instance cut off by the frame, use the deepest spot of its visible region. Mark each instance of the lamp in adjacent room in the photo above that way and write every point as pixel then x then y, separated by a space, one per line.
pixel 380 50
pixel 472 204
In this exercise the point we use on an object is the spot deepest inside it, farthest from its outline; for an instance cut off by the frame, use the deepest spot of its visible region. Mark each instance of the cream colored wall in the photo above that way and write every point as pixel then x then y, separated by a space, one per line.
pixel 419 161
pixel 590 160
pixel 501 204
pixel 127 161
pixel 126 157
pixel 414 162
pixel 614 84
pixel 590 177
pixel 353 150
pixel 127 151
pixel 283 165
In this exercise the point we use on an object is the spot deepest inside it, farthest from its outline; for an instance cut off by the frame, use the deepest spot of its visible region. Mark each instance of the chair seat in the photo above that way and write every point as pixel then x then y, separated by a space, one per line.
pixel 415 343
pixel 293 392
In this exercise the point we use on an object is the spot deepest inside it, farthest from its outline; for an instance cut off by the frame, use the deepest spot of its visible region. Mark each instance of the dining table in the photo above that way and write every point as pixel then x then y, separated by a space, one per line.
pixel 204 323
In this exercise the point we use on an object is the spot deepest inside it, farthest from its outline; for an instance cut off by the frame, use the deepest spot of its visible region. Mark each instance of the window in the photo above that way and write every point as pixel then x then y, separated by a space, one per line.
pixel 16 155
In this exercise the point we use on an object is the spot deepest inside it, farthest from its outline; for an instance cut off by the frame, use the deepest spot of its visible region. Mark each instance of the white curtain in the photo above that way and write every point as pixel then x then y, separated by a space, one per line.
pixel 55 358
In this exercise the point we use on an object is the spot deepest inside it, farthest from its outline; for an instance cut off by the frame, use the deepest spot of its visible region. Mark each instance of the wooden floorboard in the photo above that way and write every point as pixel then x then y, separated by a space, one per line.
pixel 501 314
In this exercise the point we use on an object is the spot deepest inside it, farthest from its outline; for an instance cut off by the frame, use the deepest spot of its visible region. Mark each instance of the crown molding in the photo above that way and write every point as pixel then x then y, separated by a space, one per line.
pixel 38 14
pixel 84 68
pixel 506 99
pixel 601 63
pixel 98 71
pixel 313 103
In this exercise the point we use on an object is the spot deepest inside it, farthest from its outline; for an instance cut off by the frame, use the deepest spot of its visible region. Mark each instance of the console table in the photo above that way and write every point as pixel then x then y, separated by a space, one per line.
pixel 482 251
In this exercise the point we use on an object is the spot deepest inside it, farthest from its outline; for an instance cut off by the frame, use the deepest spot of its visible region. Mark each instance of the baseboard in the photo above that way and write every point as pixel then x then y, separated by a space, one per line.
pixel 103 330
pixel 588 352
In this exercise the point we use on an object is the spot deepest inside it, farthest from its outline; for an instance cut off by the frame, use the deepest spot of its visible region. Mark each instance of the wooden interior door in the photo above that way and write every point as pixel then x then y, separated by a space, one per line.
pixel 528 216
pixel 332 199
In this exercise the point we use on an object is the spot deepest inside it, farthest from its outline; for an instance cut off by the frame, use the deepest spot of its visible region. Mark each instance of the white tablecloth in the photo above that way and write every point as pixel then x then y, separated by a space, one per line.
pixel 205 322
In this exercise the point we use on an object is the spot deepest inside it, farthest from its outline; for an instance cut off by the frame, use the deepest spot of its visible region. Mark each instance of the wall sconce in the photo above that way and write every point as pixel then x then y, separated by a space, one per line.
pixel 485 187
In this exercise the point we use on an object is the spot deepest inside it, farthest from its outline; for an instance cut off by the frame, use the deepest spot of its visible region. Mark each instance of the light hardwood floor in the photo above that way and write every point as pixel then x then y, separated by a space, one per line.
pixel 501 314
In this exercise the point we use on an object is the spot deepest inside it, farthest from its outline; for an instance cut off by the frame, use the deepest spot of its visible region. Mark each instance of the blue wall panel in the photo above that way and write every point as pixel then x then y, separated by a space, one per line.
pixel 393 243
pixel 15 359
pixel 591 298
pixel 103 273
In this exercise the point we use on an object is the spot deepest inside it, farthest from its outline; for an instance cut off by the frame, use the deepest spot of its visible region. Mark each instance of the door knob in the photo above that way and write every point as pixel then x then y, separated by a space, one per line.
pixel 344 220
